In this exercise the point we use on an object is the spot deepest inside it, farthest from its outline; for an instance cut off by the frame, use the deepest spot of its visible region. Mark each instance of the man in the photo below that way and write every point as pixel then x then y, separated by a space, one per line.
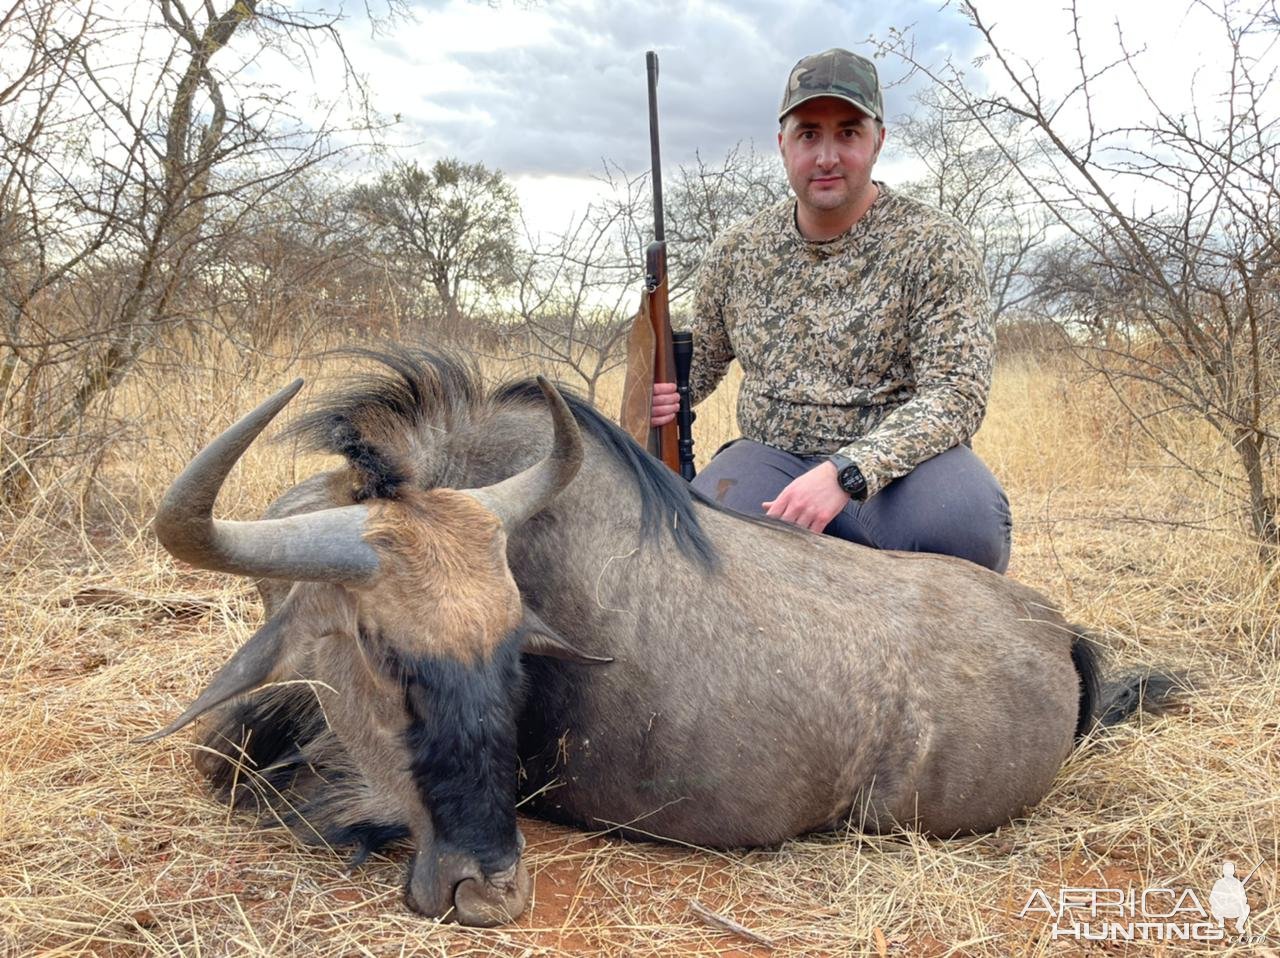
pixel 862 323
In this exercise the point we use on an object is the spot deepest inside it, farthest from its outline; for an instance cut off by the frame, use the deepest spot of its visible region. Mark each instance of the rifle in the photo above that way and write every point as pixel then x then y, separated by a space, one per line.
pixel 671 354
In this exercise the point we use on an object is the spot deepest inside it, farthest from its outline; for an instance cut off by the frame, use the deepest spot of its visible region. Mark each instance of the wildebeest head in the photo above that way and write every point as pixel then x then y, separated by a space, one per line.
pixel 405 618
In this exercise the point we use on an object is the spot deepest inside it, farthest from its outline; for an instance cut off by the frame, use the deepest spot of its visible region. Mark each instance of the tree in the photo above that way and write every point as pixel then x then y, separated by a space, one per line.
pixel 577 291
pixel 977 182
pixel 453 225
pixel 704 199
pixel 1168 270
pixel 127 177
pixel 300 271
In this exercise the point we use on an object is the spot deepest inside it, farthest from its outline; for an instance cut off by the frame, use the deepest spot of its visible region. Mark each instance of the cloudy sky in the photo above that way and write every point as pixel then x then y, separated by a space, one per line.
pixel 552 87
pixel 548 90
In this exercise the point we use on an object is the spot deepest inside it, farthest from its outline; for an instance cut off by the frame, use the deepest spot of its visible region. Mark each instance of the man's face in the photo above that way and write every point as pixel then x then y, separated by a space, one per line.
pixel 828 148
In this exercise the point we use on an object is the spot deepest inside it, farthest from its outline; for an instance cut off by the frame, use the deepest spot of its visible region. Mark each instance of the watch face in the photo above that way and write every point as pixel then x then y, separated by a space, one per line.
pixel 851 480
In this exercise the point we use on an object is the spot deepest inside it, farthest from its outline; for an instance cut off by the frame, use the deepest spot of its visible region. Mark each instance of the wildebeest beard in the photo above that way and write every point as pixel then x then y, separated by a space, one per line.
pixel 461 740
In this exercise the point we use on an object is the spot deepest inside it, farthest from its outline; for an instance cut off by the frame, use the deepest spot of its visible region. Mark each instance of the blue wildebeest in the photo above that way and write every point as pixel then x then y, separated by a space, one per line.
pixel 765 682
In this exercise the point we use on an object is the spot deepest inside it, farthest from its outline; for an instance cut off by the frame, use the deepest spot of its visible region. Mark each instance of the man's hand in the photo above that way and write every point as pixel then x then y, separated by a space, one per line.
pixel 811 500
pixel 666 403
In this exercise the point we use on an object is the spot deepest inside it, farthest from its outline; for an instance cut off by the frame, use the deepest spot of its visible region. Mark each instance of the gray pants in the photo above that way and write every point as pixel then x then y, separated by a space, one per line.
pixel 950 504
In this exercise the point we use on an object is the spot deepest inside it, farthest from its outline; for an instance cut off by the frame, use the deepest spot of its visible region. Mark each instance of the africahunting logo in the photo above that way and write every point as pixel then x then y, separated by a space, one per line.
pixel 1148 914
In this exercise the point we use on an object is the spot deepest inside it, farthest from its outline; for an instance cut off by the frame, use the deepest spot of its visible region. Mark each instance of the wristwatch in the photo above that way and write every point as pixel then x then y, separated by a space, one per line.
pixel 850 477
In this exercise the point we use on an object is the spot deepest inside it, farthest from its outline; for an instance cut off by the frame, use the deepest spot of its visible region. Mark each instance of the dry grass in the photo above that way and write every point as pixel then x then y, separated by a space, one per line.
pixel 112 848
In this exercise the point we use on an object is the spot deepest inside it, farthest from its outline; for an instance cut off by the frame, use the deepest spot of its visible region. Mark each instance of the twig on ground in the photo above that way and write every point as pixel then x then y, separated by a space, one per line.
pixel 157 606
pixel 728 924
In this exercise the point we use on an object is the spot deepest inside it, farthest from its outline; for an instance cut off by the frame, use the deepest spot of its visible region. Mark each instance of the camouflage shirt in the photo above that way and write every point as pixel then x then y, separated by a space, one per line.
pixel 877 344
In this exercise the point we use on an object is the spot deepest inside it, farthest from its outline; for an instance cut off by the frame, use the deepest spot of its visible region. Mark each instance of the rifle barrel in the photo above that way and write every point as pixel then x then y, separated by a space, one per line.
pixel 655 160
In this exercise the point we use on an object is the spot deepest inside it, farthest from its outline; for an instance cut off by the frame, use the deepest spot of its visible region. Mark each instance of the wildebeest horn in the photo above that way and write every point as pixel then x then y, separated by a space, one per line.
pixel 516 499
pixel 324 546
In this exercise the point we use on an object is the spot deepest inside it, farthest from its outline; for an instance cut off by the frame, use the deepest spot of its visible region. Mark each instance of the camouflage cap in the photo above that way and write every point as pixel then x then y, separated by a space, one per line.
pixel 837 73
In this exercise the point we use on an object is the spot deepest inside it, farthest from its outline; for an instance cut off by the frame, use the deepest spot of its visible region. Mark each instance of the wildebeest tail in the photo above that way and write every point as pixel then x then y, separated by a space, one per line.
pixel 1109 702
pixel 1084 656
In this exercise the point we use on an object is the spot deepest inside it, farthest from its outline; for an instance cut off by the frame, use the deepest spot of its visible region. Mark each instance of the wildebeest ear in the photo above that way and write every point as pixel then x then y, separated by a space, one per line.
pixel 538 638
pixel 250 667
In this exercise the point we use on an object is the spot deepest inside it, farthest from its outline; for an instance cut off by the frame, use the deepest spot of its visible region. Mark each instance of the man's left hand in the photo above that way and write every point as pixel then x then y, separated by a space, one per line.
pixel 810 500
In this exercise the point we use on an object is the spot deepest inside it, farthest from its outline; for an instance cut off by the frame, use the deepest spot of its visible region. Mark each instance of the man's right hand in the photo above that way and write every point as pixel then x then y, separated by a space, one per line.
pixel 666 403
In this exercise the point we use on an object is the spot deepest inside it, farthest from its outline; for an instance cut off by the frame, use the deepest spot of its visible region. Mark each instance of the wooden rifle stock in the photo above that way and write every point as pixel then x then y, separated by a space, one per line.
pixel 664 442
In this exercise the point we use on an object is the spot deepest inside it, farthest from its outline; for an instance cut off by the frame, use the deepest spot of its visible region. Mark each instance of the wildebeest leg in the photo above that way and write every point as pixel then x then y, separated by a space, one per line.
pixel 989 742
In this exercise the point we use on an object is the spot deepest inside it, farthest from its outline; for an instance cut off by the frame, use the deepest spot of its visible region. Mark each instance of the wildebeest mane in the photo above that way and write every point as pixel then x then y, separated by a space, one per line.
pixel 666 500
pixel 374 420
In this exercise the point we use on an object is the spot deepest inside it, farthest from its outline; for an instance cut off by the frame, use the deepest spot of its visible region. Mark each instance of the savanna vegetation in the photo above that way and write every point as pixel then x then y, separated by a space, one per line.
pixel 173 250
pixel 109 847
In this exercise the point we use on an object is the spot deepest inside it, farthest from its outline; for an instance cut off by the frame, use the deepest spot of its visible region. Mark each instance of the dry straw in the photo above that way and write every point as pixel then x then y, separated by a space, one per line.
pixel 110 848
